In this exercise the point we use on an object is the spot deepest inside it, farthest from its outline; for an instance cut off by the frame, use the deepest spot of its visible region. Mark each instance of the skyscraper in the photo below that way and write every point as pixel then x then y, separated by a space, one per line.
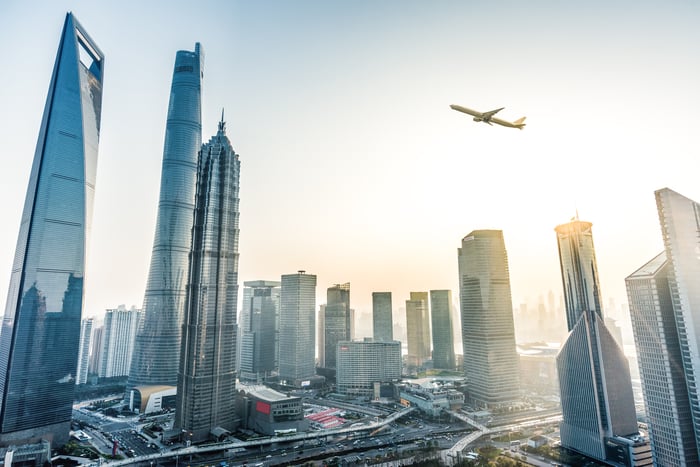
pixel 441 320
pixel 418 329
pixel 488 334
pixel 118 336
pixel 660 360
pixel 40 333
pixel 259 335
pixel 337 321
pixel 84 351
pixel 297 334
pixel 155 362
pixel 381 316
pixel 96 350
pixel 680 223
pixel 594 377
pixel 207 377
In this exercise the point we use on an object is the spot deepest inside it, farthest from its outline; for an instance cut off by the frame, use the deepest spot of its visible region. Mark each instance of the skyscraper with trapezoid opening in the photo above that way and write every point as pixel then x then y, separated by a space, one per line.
pixel 40 332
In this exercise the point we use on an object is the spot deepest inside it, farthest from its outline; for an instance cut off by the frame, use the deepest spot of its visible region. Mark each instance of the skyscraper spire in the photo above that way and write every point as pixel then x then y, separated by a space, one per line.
pixel 222 123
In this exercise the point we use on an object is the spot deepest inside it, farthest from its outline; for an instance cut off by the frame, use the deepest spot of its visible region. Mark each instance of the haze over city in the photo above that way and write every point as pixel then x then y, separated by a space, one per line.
pixel 354 168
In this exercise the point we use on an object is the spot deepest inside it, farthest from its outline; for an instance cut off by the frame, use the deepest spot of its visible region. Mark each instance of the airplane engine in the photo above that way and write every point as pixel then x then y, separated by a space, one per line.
pixel 477 119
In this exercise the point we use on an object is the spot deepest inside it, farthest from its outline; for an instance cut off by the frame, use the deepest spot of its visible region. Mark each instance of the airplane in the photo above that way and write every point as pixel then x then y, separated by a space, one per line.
pixel 488 117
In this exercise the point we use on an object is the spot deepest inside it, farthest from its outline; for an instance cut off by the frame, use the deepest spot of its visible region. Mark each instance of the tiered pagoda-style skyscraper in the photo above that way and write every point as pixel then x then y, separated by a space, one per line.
pixel 207 376
pixel 40 333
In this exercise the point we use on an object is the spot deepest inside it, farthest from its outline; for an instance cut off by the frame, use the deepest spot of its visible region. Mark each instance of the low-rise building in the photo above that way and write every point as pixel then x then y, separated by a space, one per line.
pixel 269 412
pixel 431 396
pixel 363 366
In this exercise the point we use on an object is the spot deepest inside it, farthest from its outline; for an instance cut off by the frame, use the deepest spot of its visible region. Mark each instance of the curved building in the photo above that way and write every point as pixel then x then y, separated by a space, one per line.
pixel 155 357
pixel 41 328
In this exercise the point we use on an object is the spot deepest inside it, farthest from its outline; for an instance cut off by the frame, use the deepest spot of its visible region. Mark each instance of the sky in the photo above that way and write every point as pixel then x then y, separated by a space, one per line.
pixel 354 168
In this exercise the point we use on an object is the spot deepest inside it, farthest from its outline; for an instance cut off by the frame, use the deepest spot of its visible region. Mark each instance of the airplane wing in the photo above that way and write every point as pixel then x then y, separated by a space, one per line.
pixel 490 113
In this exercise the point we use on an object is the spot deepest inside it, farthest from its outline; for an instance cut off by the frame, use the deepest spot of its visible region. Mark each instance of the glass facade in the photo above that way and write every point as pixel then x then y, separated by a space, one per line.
pixel 155 358
pixel 488 334
pixel 382 316
pixel 297 336
pixel 441 320
pixel 207 375
pixel 259 320
pixel 680 223
pixel 337 321
pixel 661 364
pixel 417 329
pixel 594 377
pixel 40 334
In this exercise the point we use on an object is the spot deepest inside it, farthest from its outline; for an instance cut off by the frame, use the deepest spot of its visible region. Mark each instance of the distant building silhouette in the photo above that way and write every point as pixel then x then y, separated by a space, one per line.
pixel 40 335
pixel 297 341
pixel 155 362
pixel 488 334
pixel 206 386
pixel 418 329
pixel 259 330
pixel 594 378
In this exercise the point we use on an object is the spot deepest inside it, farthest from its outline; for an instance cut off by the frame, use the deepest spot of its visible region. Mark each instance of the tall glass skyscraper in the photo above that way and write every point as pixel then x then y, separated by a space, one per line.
pixel 441 320
pixel 155 360
pixel 488 334
pixel 337 322
pixel 381 316
pixel 41 328
pixel 660 358
pixel 680 223
pixel 207 376
pixel 594 377
pixel 297 329
pixel 418 329
pixel 259 319
pixel 84 351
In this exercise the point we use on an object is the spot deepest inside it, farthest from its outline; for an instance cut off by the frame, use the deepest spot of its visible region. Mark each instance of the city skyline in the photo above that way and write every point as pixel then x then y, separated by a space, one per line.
pixel 314 86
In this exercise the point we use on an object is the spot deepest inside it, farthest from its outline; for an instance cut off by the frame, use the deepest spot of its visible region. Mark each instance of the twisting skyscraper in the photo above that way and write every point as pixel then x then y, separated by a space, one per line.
pixel 594 377
pixel 41 327
pixel 488 334
pixel 207 375
pixel 155 358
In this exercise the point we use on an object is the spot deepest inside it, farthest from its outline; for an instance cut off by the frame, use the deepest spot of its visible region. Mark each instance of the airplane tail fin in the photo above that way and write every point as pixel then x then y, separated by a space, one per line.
pixel 520 121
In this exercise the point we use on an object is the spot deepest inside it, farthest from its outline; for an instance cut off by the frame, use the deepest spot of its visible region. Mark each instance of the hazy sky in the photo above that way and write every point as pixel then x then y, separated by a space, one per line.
pixel 354 167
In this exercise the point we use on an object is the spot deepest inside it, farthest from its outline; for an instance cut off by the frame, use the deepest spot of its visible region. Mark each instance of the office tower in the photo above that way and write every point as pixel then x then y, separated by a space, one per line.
pixel 594 377
pixel 364 365
pixel 488 334
pixel 40 334
pixel 680 223
pixel 381 316
pixel 418 329
pixel 259 333
pixel 84 351
pixel 155 360
pixel 206 384
pixel 297 328
pixel 660 360
pixel 337 321
pixel 95 350
pixel 441 320
pixel 321 336
pixel 118 337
